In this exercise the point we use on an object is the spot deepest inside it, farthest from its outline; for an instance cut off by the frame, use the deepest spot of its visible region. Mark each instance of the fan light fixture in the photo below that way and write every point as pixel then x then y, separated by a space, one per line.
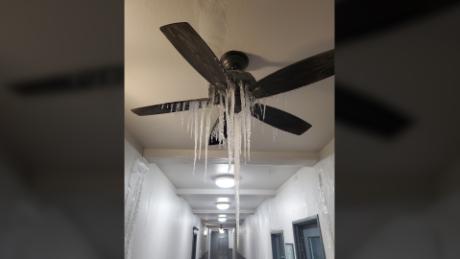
pixel 222 205
pixel 225 181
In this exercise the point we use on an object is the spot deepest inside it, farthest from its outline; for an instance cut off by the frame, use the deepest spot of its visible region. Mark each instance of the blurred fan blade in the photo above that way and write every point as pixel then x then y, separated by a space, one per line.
pixel 280 119
pixel 83 80
pixel 166 107
pixel 193 48
pixel 359 18
pixel 304 72
pixel 364 112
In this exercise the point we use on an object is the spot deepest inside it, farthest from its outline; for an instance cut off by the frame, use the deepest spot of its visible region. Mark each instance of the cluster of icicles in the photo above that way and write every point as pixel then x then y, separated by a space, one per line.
pixel 238 140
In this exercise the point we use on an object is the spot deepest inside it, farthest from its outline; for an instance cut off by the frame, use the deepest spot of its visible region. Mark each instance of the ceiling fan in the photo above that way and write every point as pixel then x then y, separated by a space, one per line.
pixel 231 67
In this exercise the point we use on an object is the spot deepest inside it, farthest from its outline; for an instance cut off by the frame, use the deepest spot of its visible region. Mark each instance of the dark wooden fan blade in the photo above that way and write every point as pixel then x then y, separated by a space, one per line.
pixel 364 112
pixel 212 140
pixel 101 77
pixel 302 73
pixel 193 48
pixel 280 119
pixel 166 107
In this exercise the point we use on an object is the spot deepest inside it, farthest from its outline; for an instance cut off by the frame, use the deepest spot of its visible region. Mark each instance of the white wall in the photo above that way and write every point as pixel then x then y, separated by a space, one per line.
pixel 162 226
pixel 307 193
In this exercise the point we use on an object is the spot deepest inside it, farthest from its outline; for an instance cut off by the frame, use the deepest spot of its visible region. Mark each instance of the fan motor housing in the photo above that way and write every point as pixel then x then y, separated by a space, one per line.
pixel 234 60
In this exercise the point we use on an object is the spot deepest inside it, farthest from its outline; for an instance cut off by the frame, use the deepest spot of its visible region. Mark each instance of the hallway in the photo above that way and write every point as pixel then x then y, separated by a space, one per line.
pixel 168 205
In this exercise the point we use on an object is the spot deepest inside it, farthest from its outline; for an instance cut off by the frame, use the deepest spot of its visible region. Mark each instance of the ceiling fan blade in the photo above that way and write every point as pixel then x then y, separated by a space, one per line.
pixel 215 141
pixel 280 119
pixel 71 82
pixel 380 16
pixel 166 107
pixel 367 113
pixel 304 72
pixel 193 48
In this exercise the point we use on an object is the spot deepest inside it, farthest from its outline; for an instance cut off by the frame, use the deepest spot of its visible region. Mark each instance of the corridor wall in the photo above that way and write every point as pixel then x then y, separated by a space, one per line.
pixel 307 193
pixel 158 223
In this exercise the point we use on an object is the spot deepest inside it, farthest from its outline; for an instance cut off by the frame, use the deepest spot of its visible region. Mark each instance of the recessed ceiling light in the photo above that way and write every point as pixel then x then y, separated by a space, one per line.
pixel 225 181
pixel 222 216
pixel 223 199
pixel 222 205
pixel 222 219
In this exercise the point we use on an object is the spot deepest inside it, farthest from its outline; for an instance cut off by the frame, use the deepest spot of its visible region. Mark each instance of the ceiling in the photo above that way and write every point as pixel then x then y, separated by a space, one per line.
pixel 274 34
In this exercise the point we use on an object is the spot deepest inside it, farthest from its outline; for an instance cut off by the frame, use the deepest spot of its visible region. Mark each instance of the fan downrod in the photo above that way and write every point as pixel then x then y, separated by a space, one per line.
pixel 234 60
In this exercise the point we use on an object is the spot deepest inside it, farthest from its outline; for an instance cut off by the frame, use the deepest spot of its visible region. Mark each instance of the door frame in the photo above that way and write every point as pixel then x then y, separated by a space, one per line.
pixel 296 225
pixel 282 239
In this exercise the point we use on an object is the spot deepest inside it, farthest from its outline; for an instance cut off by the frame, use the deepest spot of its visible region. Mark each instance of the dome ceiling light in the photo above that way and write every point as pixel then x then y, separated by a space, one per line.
pixel 225 181
pixel 222 205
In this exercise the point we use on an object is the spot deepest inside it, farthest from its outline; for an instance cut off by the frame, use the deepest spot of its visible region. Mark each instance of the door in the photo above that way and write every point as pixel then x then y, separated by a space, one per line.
pixel 195 236
pixel 308 240
pixel 219 245
pixel 278 246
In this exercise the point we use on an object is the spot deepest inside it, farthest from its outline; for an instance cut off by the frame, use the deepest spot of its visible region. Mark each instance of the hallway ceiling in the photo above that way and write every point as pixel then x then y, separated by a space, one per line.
pixel 274 34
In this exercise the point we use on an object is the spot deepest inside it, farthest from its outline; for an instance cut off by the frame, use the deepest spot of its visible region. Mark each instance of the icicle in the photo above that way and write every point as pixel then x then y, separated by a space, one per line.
pixel 248 118
pixel 195 132
pixel 265 107
pixel 190 119
pixel 206 134
pixel 200 136
pixel 243 121
pixel 237 150
pixel 230 112
pixel 221 121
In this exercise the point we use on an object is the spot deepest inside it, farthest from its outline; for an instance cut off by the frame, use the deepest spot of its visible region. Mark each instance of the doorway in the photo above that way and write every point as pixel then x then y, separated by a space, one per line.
pixel 219 245
pixel 278 245
pixel 195 236
pixel 308 239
